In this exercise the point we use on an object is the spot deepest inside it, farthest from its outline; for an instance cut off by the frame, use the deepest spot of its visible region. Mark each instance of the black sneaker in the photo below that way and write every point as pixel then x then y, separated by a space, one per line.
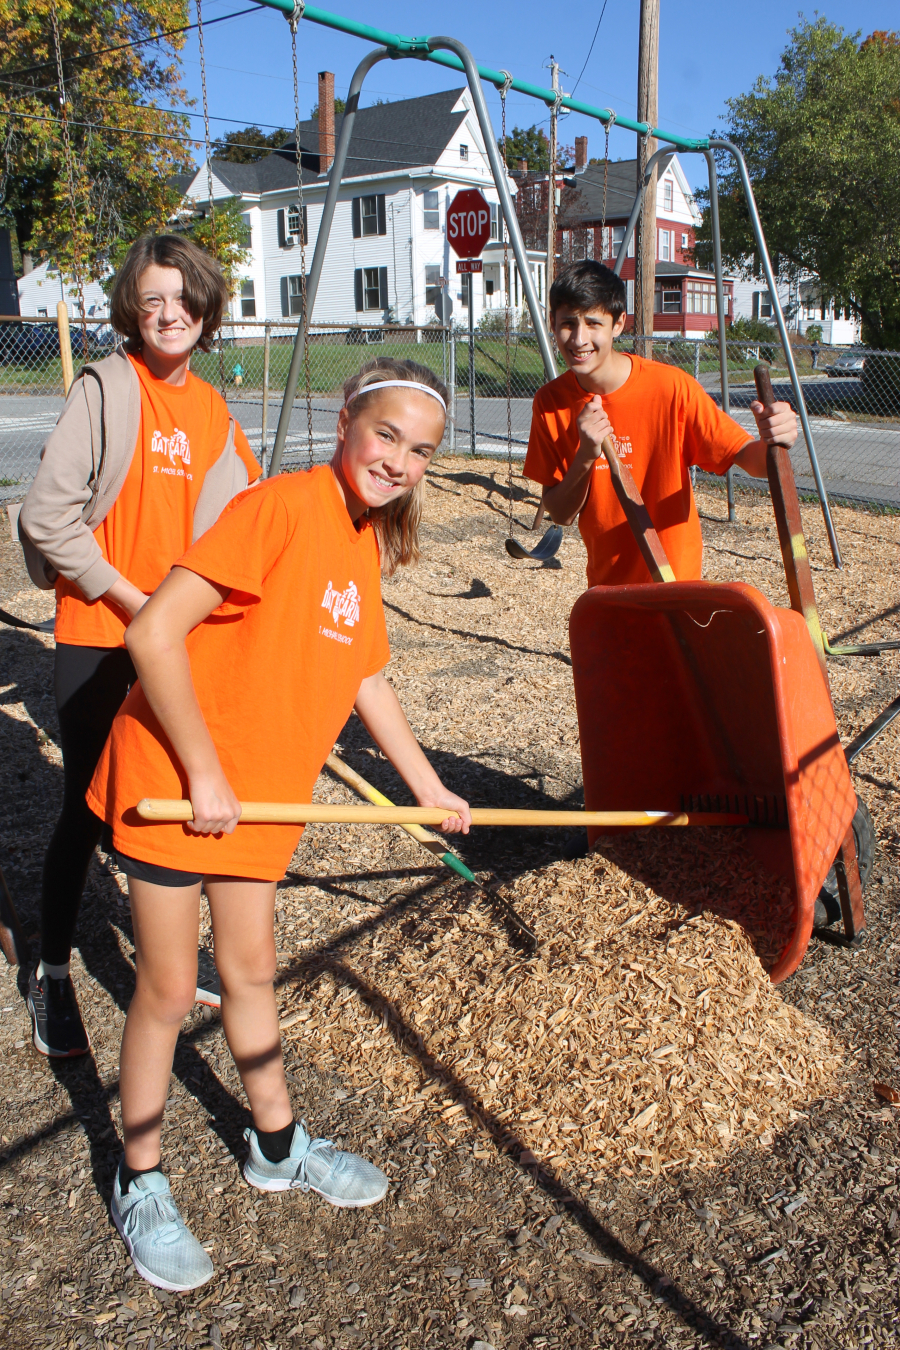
pixel 57 1028
pixel 209 990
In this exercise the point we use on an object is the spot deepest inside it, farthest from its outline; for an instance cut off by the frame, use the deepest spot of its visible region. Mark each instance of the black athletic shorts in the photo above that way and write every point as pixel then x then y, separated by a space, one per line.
pixel 156 875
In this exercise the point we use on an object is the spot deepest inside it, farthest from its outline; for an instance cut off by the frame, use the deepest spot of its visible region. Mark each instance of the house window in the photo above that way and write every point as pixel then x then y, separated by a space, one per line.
pixel 671 302
pixel 664 250
pixel 432 283
pixel 293 222
pixel 765 305
pixel 618 234
pixel 369 215
pixel 668 194
pixel 685 242
pixel 431 203
pixel 248 300
pixel 495 221
pixel 465 290
pixel 42 314
pixel 246 232
pixel 464 152
pixel 293 287
pixel 370 286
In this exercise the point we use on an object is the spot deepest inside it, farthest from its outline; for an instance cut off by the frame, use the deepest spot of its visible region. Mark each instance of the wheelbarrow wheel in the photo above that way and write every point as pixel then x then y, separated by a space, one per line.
pixel 828 904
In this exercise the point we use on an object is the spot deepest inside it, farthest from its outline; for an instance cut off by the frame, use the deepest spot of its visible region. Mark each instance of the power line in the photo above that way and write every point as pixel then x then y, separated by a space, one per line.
pixel 591 48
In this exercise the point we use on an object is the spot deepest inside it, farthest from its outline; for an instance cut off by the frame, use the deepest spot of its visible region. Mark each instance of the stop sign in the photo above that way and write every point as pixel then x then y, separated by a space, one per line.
pixel 468 223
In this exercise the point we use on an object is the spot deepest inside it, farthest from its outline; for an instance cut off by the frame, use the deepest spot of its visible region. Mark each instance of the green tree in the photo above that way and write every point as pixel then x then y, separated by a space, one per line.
pixel 822 144
pixel 248 145
pixel 224 235
pixel 125 145
pixel 529 143
pixel 340 105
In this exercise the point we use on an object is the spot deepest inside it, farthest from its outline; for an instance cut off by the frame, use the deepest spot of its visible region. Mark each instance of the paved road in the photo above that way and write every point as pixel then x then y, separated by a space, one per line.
pixel 857 460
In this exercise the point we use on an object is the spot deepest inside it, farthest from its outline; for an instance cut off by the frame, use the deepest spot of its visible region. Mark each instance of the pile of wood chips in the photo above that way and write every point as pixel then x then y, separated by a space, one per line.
pixel 639 1036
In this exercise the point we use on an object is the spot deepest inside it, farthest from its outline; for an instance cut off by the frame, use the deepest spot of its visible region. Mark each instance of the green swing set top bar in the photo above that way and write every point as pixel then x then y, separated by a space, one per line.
pixel 419 46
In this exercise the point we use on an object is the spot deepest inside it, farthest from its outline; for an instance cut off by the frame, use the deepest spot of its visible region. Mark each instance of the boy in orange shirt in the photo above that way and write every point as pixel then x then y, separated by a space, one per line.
pixel 661 422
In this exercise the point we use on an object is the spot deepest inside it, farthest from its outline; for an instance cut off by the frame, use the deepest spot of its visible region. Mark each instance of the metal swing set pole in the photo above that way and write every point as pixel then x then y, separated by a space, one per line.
pixel 707 151
pixel 453 54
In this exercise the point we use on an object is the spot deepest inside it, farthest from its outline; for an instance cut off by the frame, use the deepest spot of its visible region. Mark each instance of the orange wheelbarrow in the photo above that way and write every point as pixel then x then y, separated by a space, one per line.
pixel 706 697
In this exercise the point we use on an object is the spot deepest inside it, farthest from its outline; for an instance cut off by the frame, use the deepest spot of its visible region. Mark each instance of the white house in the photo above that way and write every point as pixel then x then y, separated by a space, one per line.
pixel 388 249
pixel 802 306
pixel 41 290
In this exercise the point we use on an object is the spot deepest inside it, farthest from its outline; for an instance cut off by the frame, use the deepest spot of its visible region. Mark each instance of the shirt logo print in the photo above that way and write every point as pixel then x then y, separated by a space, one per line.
pixel 175 446
pixel 342 604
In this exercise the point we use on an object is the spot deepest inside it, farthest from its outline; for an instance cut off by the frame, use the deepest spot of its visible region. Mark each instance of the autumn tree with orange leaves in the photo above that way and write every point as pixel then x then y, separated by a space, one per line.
pixel 125 141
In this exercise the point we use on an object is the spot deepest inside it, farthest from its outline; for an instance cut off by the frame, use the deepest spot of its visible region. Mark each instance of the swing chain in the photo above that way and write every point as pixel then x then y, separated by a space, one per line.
pixel 209 182
pixel 293 21
pixel 609 126
pixel 506 334
pixel 70 176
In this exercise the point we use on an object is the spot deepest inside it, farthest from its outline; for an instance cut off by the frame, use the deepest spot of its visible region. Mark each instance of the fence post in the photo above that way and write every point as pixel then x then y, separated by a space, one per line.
pixel 697 360
pixel 452 343
pixel 471 367
pixel 65 345
pixel 265 398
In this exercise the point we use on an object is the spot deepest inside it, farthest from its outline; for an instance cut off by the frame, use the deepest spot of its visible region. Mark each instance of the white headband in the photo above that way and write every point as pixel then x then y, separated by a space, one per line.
pixel 398 384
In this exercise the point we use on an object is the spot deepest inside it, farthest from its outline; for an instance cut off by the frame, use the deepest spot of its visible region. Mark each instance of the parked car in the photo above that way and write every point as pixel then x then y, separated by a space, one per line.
pixel 27 343
pixel 849 364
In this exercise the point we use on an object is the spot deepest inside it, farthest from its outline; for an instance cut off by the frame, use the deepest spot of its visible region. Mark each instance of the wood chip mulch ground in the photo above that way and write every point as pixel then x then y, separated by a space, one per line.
pixel 627 1138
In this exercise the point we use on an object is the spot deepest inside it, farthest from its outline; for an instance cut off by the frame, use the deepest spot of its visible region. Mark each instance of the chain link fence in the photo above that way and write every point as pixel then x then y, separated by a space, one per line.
pixel 853 394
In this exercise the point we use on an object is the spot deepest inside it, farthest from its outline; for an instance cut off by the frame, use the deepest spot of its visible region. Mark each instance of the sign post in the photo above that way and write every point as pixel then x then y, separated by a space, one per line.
pixel 468 230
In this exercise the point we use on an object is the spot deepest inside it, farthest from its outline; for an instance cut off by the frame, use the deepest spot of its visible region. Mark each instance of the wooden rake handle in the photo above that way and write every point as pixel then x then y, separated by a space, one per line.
pixel 324 813
pixel 786 506
pixel 637 515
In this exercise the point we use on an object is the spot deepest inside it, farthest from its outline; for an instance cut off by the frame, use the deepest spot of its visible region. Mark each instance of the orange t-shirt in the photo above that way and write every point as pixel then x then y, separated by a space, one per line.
pixel 151 523
pixel 277 668
pixel 664 422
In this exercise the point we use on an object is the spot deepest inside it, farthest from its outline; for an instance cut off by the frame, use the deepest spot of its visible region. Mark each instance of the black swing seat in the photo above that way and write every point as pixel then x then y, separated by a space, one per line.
pixel 547 548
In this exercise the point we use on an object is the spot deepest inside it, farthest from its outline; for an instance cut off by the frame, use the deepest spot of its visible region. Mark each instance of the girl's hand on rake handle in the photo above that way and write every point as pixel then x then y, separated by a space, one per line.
pixel 216 808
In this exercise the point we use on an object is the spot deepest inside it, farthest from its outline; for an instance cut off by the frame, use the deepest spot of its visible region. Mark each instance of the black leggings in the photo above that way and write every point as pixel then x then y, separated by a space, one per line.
pixel 90 684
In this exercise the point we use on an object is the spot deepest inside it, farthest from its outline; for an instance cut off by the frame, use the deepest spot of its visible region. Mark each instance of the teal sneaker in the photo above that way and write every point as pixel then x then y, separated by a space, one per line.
pixel 316 1165
pixel 162 1247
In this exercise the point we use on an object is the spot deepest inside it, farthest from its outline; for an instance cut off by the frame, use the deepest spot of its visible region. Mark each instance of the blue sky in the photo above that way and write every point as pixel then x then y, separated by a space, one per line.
pixel 710 50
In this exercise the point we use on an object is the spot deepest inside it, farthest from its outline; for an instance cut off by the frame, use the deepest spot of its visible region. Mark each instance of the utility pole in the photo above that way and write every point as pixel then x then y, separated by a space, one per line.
pixel 551 188
pixel 647 111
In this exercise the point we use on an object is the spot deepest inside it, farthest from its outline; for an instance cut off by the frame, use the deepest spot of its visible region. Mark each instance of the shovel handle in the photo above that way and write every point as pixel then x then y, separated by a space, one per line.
pixel 637 515
pixel 299 813
pixel 764 391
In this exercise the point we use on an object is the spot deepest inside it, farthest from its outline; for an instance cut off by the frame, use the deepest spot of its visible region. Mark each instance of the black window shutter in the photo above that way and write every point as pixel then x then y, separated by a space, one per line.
pixel 282 237
pixel 382 215
pixel 357 218
pixel 382 283
pixel 305 224
pixel 357 282
pixel 285 299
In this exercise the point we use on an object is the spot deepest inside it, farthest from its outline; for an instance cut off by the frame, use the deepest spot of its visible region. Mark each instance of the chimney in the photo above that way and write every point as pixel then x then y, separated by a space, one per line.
pixel 580 152
pixel 326 120
pixel 523 166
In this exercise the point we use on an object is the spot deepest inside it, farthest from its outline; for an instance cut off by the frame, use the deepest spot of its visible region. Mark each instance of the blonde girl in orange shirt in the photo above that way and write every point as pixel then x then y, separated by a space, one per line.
pixel 251 655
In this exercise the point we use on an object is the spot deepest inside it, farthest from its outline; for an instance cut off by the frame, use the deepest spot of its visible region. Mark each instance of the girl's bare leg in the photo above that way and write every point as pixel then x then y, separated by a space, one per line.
pixel 166 928
pixel 243 918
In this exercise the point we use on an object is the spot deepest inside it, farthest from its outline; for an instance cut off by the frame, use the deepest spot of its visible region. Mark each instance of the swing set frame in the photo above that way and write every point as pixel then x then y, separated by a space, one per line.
pixel 451 53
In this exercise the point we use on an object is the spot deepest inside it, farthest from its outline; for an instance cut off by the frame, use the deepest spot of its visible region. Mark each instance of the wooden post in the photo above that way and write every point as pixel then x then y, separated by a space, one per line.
pixel 551 189
pixel 647 111
pixel 65 345
pixel 265 397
